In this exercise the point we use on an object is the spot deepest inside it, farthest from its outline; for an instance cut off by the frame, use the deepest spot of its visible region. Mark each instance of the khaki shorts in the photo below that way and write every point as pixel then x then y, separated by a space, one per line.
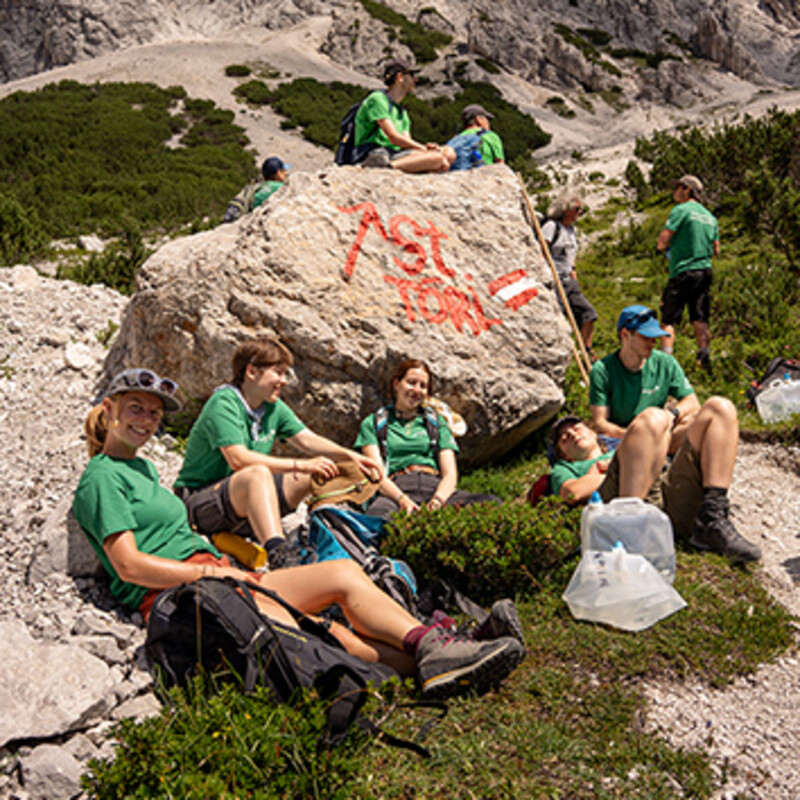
pixel 678 490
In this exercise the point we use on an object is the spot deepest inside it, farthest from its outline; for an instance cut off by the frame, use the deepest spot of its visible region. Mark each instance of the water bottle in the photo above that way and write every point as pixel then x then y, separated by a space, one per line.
pixel 791 395
pixel 475 157
pixel 774 403
pixel 639 527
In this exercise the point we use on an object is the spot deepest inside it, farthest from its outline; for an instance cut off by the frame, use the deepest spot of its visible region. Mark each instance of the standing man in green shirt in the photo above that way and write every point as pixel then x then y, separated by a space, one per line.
pixel 637 377
pixel 690 238
pixel 476 119
pixel 382 135
pixel 229 480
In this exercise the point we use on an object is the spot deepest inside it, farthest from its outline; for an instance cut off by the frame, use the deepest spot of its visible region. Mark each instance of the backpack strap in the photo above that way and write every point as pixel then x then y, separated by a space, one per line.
pixel 382 429
pixel 432 425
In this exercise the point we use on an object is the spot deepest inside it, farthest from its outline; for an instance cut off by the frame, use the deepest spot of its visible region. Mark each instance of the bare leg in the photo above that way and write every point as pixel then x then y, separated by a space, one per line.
pixel 253 495
pixel 702 334
pixel 587 333
pixel 714 434
pixel 369 610
pixel 295 488
pixel 643 452
pixel 423 161
pixel 668 341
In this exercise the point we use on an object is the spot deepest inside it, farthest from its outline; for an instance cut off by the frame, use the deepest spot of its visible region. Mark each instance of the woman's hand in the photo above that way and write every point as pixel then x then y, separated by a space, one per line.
pixel 320 465
pixel 407 504
pixel 371 467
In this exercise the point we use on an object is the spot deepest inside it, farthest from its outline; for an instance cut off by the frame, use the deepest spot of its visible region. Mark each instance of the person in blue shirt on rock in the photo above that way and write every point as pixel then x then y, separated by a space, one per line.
pixel 382 136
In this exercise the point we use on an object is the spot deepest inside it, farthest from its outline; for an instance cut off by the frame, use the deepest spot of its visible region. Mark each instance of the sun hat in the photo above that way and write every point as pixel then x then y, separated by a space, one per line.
pixel 351 484
pixel 555 432
pixel 145 380
pixel 692 182
pixel 640 319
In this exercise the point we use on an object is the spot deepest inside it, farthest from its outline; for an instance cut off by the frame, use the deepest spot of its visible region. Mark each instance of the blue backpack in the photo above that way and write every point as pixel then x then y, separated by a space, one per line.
pixel 336 532
pixel 468 150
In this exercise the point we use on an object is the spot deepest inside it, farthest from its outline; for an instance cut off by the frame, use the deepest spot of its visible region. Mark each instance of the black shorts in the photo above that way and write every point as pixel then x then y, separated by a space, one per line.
pixel 210 509
pixel 582 309
pixel 692 289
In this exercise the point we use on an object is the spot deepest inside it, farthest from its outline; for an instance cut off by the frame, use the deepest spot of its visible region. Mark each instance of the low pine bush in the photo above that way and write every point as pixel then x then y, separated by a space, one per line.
pixel 488 550
pixel 21 234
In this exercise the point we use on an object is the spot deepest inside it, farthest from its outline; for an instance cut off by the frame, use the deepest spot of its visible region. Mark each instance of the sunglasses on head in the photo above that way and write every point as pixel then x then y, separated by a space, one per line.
pixel 145 379
pixel 641 318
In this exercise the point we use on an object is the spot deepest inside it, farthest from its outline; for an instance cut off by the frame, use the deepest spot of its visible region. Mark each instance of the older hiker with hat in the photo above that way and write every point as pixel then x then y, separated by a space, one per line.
pixel 690 239
pixel 382 136
pixel 638 380
pixel 476 119
pixel 417 447
pixel 141 535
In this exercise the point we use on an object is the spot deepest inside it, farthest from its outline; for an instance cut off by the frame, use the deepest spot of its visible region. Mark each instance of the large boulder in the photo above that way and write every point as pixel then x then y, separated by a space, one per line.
pixel 355 269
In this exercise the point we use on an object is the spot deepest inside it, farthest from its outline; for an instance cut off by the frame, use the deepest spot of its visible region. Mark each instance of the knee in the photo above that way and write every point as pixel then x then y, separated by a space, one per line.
pixel 720 407
pixel 254 476
pixel 654 422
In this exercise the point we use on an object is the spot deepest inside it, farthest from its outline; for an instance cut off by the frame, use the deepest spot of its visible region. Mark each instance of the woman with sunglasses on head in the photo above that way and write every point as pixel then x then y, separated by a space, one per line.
pixel 141 534
pixel 559 232
pixel 416 446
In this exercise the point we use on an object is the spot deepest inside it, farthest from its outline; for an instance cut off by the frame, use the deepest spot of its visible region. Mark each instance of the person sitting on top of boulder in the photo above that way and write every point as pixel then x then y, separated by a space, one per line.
pixel 477 120
pixel 229 481
pixel 141 535
pixel 417 447
pixel 382 135
pixel 275 173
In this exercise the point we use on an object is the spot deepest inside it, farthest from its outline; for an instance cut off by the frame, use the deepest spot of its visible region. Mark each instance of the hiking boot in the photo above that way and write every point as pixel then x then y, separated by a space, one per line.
pixel 377 158
pixel 714 531
pixel 283 554
pixel 449 666
pixel 503 620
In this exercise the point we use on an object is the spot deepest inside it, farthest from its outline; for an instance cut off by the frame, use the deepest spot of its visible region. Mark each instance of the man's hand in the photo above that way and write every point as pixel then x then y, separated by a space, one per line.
pixel 320 465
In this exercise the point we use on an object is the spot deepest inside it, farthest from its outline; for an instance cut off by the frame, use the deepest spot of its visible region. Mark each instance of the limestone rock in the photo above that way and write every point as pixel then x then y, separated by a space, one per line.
pixel 355 269
pixel 50 771
pixel 65 691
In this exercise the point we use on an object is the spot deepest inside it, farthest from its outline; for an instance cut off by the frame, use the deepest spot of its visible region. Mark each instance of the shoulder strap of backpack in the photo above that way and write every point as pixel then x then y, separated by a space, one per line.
pixel 382 429
pixel 432 425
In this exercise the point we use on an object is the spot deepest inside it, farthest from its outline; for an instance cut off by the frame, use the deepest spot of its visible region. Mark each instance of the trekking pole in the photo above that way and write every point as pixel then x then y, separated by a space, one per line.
pixel 581 356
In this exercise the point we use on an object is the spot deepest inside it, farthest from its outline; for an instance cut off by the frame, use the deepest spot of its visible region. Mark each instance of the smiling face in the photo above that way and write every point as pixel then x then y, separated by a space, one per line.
pixel 133 418
pixel 411 391
pixel 264 384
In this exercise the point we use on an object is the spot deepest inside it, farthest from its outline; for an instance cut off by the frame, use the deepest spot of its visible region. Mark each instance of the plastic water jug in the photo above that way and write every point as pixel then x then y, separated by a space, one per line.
pixel 641 527
pixel 779 400
pixel 620 589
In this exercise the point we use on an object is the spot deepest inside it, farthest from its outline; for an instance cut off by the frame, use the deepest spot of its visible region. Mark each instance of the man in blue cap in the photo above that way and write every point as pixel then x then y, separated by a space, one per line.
pixel 275 172
pixel 637 377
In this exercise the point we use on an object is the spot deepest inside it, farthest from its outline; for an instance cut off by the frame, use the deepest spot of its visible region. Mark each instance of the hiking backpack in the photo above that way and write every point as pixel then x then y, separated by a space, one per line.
pixel 541 219
pixel 346 152
pixel 468 153
pixel 214 625
pixel 335 532
pixel 777 369
pixel 382 429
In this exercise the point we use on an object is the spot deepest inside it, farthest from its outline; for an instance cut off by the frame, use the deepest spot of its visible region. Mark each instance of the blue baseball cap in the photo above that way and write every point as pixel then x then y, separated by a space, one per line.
pixel 272 166
pixel 640 319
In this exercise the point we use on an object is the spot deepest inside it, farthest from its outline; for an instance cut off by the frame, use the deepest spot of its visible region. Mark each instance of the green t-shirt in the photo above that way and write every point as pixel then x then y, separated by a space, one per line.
pixel 627 393
pixel 491 147
pixel 116 495
pixel 564 471
pixel 378 106
pixel 265 190
pixel 223 421
pixel 407 441
pixel 694 231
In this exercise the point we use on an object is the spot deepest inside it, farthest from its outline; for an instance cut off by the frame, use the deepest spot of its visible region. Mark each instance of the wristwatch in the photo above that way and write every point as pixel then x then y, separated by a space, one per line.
pixel 676 415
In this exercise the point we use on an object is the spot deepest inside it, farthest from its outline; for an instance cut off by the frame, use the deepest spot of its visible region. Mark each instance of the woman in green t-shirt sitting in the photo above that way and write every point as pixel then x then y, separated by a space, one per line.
pixel 416 446
pixel 142 536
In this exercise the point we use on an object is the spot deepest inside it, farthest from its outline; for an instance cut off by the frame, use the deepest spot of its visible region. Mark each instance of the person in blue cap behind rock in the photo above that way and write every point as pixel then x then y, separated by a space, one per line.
pixel 637 377
pixel 275 172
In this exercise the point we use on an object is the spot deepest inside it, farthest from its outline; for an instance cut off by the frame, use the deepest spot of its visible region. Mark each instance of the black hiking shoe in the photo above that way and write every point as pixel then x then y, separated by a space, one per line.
pixel 704 359
pixel 503 620
pixel 283 554
pixel 714 531
pixel 450 666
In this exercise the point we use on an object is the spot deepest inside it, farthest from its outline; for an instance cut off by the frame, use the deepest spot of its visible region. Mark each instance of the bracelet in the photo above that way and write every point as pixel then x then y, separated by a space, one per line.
pixel 676 415
pixel 399 497
pixel 435 502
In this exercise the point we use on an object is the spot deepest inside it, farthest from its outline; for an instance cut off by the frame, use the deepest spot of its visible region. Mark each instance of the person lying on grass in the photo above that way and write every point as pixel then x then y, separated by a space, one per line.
pixel 142 536
pixel 229 480
pixel 416 446
pixel 694 488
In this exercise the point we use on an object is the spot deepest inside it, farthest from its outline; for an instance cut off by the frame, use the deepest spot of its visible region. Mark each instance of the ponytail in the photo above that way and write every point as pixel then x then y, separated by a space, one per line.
pixel 96 428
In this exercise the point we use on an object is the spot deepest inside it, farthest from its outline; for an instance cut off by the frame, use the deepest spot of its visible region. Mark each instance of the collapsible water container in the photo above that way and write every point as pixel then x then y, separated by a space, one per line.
pixel 641 527
pixel 779 400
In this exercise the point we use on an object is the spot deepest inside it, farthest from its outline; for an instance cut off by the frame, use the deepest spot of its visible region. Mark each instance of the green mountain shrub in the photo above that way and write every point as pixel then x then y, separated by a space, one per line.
pixel 88 157
pixel 21 233
pixel 488 550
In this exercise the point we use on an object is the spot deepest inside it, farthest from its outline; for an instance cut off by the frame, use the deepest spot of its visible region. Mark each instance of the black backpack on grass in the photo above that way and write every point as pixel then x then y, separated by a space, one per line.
pixel 214 624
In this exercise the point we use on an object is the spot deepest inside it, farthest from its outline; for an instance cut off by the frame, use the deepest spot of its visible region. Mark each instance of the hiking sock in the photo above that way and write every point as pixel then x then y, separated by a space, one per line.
pixel 412 638
pixel 276 552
